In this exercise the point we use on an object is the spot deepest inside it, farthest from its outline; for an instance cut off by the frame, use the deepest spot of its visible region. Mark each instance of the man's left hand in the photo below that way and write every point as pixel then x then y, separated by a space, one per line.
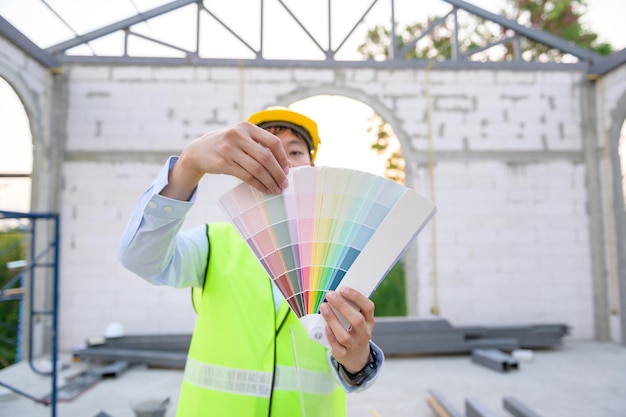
pixel 350 347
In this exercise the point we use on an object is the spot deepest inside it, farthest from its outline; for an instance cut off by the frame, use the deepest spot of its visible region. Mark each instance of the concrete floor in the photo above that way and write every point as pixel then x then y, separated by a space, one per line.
pixel 579 379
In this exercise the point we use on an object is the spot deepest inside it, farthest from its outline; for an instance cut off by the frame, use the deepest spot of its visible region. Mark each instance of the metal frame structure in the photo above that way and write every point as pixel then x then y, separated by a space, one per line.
pixel 43 253
pixel 57 55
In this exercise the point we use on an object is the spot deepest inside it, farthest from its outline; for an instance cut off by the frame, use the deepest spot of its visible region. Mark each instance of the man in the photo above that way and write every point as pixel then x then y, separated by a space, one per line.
pixel 248 355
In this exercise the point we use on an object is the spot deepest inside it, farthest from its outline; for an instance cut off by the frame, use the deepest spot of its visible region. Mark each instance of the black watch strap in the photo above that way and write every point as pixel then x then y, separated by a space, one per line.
pixel 363 375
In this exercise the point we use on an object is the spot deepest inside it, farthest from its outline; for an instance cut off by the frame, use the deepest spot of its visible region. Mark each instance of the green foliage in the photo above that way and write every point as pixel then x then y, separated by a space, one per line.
pixel 9 311
pixel 394 168
pixel 559 17
pixel 390 296
pixel 12 248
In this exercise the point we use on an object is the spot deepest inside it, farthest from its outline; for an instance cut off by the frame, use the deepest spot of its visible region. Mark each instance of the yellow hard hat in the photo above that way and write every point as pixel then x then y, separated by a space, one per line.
pixel 282 116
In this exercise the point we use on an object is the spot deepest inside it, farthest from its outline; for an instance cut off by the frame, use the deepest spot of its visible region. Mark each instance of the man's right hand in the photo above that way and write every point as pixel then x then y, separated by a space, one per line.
pixel 244 150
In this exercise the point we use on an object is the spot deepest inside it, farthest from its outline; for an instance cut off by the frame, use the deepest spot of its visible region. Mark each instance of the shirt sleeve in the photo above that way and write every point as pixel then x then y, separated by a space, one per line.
pixel 151 245
pixel 346 384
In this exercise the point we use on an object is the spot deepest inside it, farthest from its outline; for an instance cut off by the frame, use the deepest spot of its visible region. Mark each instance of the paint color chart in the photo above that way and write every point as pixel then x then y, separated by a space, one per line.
pixel 312 235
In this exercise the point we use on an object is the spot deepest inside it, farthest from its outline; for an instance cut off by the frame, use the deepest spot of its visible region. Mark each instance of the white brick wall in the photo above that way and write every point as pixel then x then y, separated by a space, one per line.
pixel 512 245
pixel 95 289
pixel 512 235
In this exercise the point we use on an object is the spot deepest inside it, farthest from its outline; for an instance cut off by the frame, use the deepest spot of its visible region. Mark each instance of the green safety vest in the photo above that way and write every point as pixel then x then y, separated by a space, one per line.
pixel 245 358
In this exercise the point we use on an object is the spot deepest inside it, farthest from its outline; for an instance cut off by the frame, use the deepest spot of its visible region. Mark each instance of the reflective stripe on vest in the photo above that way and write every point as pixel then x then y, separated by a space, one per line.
pixel 256 383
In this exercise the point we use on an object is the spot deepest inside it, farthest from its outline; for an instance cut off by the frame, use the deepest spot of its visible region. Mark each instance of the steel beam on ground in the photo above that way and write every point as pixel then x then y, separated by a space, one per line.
pixel 494 359
pixel 474 408
pixel 173 360
pixel 170 343
pixel 444 404
pixel 437 408
pixel 517 408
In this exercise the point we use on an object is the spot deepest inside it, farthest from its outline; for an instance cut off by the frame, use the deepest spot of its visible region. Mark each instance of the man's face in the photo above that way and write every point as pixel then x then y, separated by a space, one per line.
pixel 295 148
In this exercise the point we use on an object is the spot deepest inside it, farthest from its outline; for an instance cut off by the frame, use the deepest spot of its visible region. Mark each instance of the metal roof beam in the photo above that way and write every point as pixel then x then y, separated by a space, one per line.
pixel 122 24
pixel 534 34
pixel 231 31
pixel 608 63
pixel 286 63
pixel 488 46
pixel 12 34
pixel 356 25
pixel 57 53
pixel 407 48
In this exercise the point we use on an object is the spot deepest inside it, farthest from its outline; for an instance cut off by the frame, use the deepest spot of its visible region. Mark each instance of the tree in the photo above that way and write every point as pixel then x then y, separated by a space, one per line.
pixel 559 17
pixel 12 247
pixel 390 296
pixel 394 165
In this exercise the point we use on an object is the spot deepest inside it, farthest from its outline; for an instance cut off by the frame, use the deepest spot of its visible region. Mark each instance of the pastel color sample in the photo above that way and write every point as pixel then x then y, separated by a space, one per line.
pixel 309 236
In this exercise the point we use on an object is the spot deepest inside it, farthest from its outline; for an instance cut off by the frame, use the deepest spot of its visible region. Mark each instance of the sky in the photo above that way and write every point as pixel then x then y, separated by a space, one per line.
pixel 605 17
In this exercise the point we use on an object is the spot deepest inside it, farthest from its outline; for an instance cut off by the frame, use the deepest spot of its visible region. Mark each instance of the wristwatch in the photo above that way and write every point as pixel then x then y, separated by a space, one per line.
pixel 358 378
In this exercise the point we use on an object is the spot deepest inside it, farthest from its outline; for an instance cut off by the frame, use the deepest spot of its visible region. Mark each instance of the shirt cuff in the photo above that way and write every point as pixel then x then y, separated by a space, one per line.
pixel 346 384
pixel 162 207
pixel 166 208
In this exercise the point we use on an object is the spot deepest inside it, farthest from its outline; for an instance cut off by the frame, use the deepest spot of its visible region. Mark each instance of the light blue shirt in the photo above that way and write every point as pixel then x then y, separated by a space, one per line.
pixel 153 247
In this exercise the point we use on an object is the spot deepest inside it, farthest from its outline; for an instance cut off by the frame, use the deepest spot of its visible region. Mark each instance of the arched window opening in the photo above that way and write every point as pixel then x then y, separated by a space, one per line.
pixel 354 136
pixel 16 159
pixel 16 164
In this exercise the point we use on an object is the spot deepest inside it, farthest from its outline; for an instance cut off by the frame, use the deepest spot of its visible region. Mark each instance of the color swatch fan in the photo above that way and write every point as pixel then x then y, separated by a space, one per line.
pixel 331 227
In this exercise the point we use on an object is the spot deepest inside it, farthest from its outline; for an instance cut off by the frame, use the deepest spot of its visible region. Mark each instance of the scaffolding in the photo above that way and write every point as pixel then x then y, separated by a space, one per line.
pixel 36 288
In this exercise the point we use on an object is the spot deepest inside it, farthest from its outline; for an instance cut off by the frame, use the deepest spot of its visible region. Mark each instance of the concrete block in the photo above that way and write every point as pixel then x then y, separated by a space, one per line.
pixel 453 103
pixel 162 129
pixel 201 74
pixel 179 74
pixel 262 92
pixel 307 74
pixel 91 73
pixel 132 73
pixel 394 89
pixel 405 76
pixel 560 77
pixel 506 77
pixel 363 75
pixel 477 77
pixel 442 77
pixel 257 74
